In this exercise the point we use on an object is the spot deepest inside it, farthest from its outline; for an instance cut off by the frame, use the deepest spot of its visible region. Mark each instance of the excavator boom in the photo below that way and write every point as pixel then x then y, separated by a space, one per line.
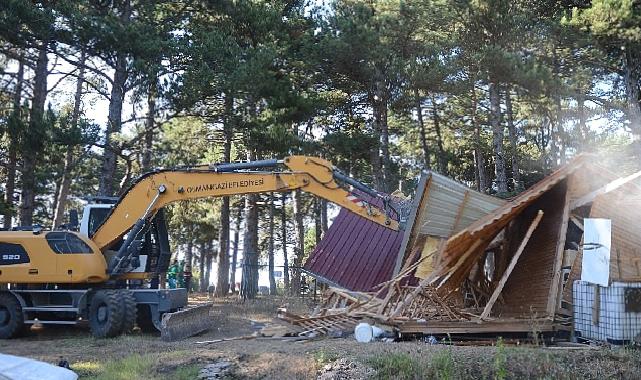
pixel 310 174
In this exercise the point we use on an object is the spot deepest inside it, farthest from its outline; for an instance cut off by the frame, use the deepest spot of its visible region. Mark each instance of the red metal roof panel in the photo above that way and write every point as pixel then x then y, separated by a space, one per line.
pixel 355 253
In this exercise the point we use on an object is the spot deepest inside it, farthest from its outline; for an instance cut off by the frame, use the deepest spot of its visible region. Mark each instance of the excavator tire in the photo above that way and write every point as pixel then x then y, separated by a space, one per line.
pixel 106 314
pixel 130 311
pixel 11 316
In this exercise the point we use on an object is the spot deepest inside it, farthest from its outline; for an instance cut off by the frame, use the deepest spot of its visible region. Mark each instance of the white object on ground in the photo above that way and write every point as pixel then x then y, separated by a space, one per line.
pixel 365 333
pixel 19 368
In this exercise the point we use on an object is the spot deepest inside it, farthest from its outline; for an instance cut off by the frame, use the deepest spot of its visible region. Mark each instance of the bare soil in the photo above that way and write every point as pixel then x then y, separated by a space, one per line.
pixel 322 358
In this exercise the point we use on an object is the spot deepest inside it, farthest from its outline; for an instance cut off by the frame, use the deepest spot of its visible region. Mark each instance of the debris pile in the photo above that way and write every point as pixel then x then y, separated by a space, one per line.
pixel 470 265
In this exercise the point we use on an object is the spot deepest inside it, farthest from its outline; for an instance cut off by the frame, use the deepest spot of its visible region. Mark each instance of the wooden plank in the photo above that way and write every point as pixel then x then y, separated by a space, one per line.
pixel 467 327
pixel 576 221
pixel 510 268
pixel 416 214
pixel 555 288
pixel 461 261
pixel 459 213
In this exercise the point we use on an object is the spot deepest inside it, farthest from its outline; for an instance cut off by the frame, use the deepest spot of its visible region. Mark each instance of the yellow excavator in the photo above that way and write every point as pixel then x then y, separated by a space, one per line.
pixel 107 268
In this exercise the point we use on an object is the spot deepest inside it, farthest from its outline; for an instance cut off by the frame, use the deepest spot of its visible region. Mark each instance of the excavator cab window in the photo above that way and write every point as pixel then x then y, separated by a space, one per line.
pixel 66 242
pixel 96 216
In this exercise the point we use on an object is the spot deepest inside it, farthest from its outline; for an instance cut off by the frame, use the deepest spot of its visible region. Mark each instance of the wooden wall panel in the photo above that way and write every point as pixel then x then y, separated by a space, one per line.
pixel 625 254
pixel 527 290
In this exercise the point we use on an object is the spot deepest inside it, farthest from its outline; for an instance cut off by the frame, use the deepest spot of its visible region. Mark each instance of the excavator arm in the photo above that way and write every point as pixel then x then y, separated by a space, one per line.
pixel 154 190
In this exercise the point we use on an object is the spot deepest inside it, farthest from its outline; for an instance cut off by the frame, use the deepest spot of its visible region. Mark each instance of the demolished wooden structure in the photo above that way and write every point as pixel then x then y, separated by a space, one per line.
pixel 510 270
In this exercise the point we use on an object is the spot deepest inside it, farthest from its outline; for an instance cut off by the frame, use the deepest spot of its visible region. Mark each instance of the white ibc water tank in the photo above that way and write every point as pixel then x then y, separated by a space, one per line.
pixel 607 313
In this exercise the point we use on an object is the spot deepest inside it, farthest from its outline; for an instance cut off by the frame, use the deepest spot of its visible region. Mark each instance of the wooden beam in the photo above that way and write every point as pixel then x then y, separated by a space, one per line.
pixel 555 288
pixel 460 262
pixel 459 213
pixel 510 268
pixel 576 221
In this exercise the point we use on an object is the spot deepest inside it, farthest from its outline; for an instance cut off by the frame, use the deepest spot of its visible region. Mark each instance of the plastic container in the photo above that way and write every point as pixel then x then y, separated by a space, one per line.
pixel 365 333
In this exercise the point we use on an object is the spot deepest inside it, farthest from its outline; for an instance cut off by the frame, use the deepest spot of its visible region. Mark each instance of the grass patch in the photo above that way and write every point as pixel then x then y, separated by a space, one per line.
pixel 134 367
pixel 187 372
pixel 323 357
pixel 86 369
pixel 442 364
pixel 396 366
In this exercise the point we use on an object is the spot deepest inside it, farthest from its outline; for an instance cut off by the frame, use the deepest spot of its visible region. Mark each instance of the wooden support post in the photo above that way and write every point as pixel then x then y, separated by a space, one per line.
pixel 510 268
pixel 554 297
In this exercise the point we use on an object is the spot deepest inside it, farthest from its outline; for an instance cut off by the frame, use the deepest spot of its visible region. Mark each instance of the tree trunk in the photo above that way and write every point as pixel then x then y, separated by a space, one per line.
pixel 376 154
pixel 497 138
pixel 479 158
pixel 511 128
pixel 114 125
pixel 422 131
pixel 318 228
pixel 632 78
pixel 14 142
pixel 299 252
pixel 209 258
pixel 189 256
pixel 149 127
pixel 249 284
pixel 283 236
pixel 204 250
pixel 114 118
pixel 270 252
pixel 585 132
pixel 556 125
pixel 442 160
pixel 234 257
pixel 65 183
pixel 324 221
pixel 222 283
pixel 33 138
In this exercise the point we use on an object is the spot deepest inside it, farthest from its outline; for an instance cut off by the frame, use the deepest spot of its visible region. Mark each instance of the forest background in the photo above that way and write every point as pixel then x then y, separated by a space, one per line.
pixel 493 93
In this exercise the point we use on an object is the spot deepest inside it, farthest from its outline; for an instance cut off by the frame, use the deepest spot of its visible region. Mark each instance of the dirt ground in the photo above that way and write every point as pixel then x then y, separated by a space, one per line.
pixel 144 356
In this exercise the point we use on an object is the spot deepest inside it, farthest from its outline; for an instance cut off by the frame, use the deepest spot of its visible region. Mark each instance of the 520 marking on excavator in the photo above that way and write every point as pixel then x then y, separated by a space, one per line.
pixel 10 257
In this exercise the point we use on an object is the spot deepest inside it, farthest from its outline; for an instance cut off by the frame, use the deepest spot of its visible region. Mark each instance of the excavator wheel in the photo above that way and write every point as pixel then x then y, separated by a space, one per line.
pixel 11 316
pixel 106 314
pixel 130 311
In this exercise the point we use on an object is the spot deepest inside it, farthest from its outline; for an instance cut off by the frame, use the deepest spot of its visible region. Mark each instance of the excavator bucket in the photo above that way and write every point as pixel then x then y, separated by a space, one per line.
pixel 185 323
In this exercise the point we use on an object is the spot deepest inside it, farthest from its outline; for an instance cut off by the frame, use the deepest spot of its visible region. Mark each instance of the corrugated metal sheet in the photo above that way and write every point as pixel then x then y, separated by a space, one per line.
pixel 355 253
pixel 451 206
pixel 444 207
